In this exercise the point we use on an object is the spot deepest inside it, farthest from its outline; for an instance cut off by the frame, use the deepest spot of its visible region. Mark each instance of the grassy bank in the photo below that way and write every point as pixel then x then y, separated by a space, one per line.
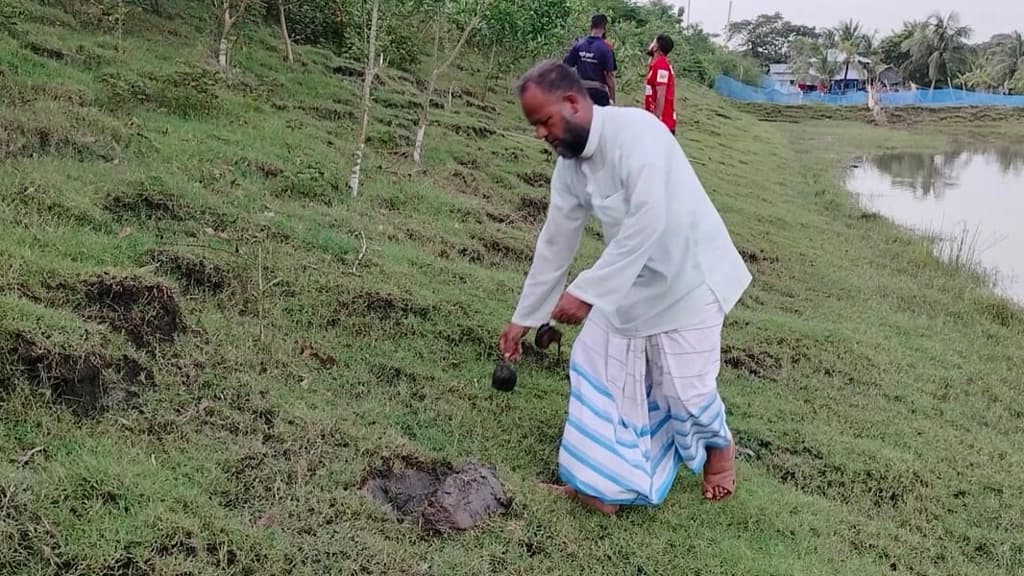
pixel 207 346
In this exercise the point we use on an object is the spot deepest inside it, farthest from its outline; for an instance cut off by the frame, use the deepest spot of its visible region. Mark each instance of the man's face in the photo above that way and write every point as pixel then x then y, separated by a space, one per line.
pixel 560 120
pixel 652 47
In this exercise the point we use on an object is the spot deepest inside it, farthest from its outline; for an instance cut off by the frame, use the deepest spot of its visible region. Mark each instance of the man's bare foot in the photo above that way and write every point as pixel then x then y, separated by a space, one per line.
pixel 609 509
pixel 720 473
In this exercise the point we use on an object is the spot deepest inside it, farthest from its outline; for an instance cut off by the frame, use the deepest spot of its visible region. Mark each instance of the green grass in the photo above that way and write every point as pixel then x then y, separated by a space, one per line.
pixel 874 386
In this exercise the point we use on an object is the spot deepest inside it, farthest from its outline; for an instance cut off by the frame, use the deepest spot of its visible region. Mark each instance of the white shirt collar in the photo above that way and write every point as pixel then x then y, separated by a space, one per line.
pixel 596 124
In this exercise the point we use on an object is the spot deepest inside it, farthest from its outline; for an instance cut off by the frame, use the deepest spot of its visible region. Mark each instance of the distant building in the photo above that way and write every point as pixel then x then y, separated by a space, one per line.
pixel 782 78
pixel 891 78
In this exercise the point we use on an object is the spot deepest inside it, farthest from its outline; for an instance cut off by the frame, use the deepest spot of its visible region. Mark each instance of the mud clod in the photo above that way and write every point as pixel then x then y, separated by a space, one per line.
pixel 145 311
pixel 438 497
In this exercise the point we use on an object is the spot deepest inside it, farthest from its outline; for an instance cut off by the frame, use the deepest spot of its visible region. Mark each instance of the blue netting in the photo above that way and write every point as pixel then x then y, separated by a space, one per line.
pixel 921 97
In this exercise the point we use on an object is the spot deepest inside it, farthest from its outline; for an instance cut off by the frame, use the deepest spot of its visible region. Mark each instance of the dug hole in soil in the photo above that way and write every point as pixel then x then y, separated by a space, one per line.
pixel 147 312
pixel 86 382
pixel 440 498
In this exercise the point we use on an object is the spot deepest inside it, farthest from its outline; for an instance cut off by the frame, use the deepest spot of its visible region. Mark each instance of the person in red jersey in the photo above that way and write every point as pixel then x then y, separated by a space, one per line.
pixel 660 87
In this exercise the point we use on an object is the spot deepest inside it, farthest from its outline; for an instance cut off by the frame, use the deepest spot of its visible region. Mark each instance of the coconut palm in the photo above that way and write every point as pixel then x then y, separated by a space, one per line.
pixel 979 74
pixel 941 45
pixel 852 42
pixel 1006 57
pixel 812 61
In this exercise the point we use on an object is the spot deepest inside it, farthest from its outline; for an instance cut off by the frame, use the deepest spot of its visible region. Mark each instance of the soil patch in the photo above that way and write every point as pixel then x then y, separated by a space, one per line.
pixel 347 70
pixel 147 312
pixel 146 203
pixel 468 182
pixel 753 363
pixel 264 168
pixel 536 179
pixel 380 306
pixel 496 252
pixel 759 260
pixel 533 208
pixel 310 352
pixel 331 112
pixel 47 52
pixel 194 272
pixel 477 131
pixel 86 382
pixel 439 497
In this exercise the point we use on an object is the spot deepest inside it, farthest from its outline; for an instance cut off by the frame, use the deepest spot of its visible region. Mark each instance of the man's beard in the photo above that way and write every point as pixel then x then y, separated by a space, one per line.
pixel 650 52
pixel 574 142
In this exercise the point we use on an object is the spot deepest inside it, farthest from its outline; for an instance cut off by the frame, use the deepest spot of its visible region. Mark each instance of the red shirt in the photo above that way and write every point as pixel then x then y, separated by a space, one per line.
pixel 660 73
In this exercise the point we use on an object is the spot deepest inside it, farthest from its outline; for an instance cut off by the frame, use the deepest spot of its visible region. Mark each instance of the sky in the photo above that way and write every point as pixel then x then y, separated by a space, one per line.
pixel 987 17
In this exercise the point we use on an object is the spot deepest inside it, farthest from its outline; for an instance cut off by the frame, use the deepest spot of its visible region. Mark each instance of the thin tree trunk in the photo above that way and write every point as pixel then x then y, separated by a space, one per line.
pixel 846 76
pixel 284 32
pixel 225 29
pixel 421 131
pixel 421 128
pixel 368 75
pixel 227 21
pixel 487 77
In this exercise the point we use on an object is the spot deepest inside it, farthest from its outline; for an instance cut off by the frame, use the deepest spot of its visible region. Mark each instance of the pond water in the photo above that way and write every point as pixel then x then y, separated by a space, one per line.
pixel 971 198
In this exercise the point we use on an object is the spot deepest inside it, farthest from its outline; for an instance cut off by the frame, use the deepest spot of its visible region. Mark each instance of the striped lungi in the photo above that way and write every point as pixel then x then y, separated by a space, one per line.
pixel 641 407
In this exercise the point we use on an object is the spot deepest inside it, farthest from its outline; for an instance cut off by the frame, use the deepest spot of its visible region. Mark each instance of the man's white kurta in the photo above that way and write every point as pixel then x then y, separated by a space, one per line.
pixel 664 240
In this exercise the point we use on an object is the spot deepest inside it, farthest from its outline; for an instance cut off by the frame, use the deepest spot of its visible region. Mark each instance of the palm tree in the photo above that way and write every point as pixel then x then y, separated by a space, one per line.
pixel 872 61
pixel 1006 57
pixel 979 74
pixel 812 60
pixel 941 44
pixel 852 43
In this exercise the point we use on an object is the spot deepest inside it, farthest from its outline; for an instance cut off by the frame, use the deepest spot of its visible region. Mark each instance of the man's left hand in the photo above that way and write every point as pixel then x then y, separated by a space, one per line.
pixel 570 310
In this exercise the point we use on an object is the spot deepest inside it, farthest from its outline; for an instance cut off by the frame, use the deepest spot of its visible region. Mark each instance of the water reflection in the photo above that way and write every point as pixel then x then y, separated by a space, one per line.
pixel 931 174
pixel 971 196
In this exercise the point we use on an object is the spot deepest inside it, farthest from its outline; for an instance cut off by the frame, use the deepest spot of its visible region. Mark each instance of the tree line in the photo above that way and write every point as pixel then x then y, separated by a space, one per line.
pixel 510 34
pixel 935 52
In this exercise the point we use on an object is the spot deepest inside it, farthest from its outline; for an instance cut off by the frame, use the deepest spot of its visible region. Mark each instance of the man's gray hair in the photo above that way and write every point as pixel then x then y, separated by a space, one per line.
pixel 553 77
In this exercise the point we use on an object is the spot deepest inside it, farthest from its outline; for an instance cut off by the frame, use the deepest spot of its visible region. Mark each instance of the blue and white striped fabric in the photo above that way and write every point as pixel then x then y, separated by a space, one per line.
pixel 641 407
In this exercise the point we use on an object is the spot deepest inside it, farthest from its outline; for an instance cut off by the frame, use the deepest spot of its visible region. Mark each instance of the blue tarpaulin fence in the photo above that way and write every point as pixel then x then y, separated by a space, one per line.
pixel 736 90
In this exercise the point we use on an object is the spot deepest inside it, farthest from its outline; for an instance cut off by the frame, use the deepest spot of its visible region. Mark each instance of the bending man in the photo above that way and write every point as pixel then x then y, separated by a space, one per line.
pixel 644 399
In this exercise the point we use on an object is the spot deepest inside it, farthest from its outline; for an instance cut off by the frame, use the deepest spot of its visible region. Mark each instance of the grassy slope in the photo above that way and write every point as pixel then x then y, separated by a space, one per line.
pixel 873 385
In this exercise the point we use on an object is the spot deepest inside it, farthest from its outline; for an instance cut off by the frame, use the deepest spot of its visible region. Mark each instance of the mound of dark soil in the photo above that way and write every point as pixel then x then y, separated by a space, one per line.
pixel 194 272
pixel 86 382
pixel 147 312
pixel 441 498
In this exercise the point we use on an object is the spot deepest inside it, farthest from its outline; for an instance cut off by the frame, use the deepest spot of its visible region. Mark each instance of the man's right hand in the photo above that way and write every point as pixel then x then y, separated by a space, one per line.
pixel 511 339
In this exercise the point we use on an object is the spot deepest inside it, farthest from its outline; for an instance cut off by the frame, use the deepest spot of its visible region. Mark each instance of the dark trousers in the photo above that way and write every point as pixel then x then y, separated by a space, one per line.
pixel 599 97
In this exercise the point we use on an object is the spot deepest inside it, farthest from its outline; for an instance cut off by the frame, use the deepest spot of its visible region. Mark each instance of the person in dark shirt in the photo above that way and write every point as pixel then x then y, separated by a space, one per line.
pixel 594 61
